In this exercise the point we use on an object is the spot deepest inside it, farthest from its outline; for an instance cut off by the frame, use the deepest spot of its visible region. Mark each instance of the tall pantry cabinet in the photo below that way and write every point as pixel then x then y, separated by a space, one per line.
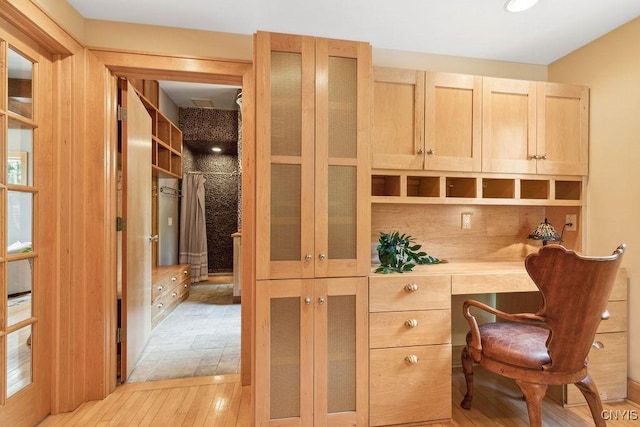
pixel 312 231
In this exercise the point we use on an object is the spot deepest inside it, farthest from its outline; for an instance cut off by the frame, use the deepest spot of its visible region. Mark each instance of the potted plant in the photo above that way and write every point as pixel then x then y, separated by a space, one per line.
pixel 399 253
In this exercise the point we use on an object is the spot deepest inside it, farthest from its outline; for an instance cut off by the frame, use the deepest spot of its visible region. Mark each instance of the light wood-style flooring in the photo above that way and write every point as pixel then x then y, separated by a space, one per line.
pixel 222 401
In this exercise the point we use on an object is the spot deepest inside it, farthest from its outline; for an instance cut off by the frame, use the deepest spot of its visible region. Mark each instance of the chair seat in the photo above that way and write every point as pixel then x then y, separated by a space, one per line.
pixel 515 344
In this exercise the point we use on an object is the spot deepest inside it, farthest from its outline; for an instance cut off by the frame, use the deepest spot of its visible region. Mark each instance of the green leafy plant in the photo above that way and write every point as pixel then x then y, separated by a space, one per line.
pixel 399 253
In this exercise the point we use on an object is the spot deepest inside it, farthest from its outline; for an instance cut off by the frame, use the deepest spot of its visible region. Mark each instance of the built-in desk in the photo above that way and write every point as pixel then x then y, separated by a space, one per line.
pixel 410 339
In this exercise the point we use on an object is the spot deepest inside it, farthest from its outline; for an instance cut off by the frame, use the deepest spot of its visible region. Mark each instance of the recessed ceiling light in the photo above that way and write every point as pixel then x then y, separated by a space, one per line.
pixel 216 149
pixel 519 5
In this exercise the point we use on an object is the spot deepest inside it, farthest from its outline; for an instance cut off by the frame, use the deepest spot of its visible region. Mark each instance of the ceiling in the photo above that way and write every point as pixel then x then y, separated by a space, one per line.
pixel 469 28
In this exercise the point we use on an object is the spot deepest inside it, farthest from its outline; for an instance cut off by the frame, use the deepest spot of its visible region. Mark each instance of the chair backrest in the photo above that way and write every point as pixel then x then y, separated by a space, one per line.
pixel 575 290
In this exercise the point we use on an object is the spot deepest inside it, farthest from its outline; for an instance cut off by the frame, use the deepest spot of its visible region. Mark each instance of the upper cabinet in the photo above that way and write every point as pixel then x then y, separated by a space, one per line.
pixel 398 119
pixel 534 127
pixel 453 113
pixel 313 182
pixel 562 129
pixel 461 123
pixel 426 120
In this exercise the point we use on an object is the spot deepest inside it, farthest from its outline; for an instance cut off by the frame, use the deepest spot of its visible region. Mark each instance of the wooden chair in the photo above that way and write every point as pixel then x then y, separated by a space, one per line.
pixel 551 346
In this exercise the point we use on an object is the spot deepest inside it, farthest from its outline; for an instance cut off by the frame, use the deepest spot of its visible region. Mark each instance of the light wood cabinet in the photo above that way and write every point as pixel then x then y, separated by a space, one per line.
pixel 311 346
pixel 453 122
pixel 313 230
pixel 170 286
pixel 534 127
pixel 397 134
pixel 313 181
pixel 409 349
pixel 426 120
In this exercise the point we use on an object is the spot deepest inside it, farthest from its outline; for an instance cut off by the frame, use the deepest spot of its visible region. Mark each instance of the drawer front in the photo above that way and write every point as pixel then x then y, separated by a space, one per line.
pixel 409 328
pixel 462 284
pixel 619 291
pixel 409 293
pixel 404 392
pixel 617 321
pixel 607 367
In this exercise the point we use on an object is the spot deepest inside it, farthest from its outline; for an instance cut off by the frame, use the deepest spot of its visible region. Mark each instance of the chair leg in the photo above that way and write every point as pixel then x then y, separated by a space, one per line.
pixel 533 394
pixel 467 368
pixel 590 393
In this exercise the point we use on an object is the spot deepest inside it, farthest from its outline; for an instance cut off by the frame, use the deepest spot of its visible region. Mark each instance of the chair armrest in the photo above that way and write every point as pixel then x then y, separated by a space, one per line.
pixel 476 345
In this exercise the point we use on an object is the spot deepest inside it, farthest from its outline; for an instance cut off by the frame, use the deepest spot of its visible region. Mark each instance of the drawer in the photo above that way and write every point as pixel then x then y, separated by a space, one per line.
pixel 619 291
pixel 607 367
pixel 479 283
pixel 409 328
pixel 618 318
pixel 403 392
pixel 409 293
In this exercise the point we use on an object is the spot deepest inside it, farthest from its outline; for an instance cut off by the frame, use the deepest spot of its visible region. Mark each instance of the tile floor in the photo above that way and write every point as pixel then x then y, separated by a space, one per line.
pixel 200 337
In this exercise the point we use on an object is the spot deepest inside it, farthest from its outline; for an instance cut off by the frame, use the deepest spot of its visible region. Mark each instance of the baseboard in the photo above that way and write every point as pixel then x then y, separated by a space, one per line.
pixel 633 391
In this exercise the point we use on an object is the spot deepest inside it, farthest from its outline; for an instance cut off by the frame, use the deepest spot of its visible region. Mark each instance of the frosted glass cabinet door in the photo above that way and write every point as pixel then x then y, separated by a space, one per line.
pixel 285 157
pixel 312 352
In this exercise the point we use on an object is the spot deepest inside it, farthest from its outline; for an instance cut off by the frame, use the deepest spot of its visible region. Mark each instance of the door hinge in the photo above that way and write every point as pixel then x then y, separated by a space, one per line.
pixel 122 113
pixel 121 223
pixel 120 335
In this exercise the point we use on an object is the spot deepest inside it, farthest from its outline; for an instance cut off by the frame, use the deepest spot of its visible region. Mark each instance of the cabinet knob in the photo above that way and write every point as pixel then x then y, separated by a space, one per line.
pixel 154 238
pixel 431 151
pixel 186 286
pixel 160 305
pixel 173 279
pixel 421 151
pixel 160 288
pixel 307 300
pixel 605 315
pixel 308 257
pixel 185 272
pixel 321 300
pixel 543 157
pixel 174 294
pixel 322 256
pixel 411 287
pixel 411 323
pixel 412 359
pixel 597 344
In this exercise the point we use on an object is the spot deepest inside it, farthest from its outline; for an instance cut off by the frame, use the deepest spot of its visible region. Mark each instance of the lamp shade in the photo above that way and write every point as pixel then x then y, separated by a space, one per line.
pixel 545 232
pixel 519 5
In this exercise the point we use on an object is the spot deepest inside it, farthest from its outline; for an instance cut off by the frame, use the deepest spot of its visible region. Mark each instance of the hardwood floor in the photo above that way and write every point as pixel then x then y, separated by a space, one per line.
pixel 222 401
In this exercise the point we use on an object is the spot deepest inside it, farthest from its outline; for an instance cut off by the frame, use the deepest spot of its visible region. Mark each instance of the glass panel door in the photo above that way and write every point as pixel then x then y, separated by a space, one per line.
pixel 19 202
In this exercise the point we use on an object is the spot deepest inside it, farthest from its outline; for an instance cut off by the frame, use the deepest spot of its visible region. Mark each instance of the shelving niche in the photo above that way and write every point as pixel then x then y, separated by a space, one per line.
pixel 166 147
pixel 483 189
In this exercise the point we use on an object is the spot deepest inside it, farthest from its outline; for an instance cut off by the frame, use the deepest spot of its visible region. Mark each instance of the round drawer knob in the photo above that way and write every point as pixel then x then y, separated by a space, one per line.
pixel 173 279
pixel 411 287
pixel 160 305
pixel 411 323
pixel 174 294
pixel 160 288
pixel 412 359
pixel 186 286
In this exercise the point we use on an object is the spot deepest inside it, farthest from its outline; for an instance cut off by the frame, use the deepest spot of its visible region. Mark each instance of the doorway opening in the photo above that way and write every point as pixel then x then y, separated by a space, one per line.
pixel 202 335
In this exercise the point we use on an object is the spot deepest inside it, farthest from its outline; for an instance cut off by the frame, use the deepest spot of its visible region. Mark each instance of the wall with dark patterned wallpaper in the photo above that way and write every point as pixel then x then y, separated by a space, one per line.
pixel 202 130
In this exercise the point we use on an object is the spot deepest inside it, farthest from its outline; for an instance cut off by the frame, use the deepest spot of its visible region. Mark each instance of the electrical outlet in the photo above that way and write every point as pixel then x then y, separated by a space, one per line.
pixel 466 221
pixel 573 220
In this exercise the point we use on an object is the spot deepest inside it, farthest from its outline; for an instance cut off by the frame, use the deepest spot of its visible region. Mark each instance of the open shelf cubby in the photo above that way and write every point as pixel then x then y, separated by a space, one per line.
pixel 388 186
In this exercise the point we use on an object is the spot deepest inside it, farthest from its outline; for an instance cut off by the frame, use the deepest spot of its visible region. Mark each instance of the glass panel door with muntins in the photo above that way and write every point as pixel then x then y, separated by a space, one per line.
pixel 19 203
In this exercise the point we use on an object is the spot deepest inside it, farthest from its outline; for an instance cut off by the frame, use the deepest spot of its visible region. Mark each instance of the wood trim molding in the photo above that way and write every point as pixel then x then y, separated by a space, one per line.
pixel 633 391
pixel 153 66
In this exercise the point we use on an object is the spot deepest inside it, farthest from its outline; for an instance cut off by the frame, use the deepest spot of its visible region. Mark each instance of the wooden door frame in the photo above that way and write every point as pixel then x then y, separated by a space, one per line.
pixel 151 66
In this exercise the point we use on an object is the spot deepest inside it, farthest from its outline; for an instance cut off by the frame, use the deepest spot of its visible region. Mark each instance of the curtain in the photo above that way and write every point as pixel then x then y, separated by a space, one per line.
pixel 193 233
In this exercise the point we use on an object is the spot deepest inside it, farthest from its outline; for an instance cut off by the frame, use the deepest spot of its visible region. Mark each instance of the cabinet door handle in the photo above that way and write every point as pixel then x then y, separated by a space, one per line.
pixel 153 238
pixel 322 256
pixel 431 151
pixel 412 359
pixel 534 157
pixel 308 257
pixel 598 344
pixel 411 287
pixel 321 300
pixel 411 323
pixel 173 279
pixel 543 157
pixel 307 300
pixel 421 151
